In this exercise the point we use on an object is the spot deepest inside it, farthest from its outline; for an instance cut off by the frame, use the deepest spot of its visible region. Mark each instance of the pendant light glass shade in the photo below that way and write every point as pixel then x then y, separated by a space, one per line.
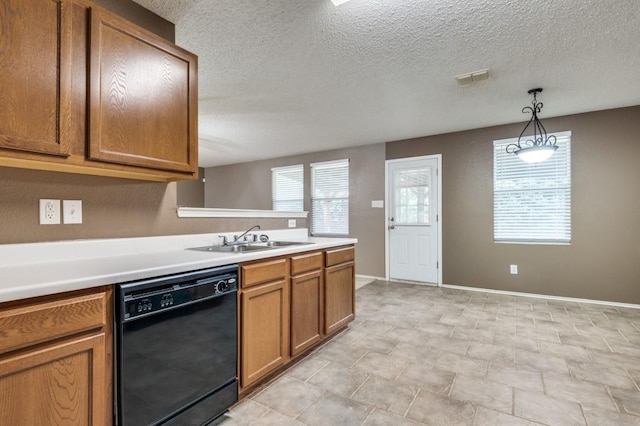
pixel 536 154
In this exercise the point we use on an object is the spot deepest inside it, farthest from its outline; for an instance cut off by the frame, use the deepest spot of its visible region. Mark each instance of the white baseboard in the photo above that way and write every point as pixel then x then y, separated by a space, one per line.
pixel 370 277
pixel 426 284
pixel 543 296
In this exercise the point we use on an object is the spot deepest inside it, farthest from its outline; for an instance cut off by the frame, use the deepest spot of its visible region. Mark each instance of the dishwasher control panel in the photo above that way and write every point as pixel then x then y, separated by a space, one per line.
pixel 148 301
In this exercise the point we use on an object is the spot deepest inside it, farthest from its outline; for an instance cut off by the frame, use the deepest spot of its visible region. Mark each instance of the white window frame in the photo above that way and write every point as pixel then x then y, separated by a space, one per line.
pixel 320 225
pixel 282 191
pixel 532 201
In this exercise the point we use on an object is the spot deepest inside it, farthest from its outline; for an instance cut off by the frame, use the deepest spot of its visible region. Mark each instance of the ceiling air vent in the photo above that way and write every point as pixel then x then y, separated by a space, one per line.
pixel 472 77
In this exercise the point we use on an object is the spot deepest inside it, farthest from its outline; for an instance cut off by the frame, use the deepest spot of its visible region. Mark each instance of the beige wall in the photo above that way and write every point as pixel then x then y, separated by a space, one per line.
pixel 111 207
pixel 602 260
pixel 248 186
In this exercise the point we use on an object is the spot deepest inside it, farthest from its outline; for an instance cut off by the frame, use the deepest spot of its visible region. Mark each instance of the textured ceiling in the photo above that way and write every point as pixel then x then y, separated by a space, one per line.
pixel 281 77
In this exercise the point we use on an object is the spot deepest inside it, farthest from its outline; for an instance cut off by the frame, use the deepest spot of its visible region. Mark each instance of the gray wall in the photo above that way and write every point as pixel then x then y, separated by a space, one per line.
pixel 248 186
pixel 600 263
pixel 602 260
pixel 191 192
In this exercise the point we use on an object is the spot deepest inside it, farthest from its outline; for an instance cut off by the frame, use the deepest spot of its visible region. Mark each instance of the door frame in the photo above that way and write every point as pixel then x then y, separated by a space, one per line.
pixel 438 157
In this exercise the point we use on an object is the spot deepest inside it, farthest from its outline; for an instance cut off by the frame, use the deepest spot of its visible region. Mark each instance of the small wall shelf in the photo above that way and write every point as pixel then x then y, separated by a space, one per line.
pixel 191 212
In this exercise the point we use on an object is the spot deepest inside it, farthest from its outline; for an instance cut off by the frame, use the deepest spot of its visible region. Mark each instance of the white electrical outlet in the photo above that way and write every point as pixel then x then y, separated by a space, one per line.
pixel 49 212
pixel 72 211
pixel 292 223
pixel 513 269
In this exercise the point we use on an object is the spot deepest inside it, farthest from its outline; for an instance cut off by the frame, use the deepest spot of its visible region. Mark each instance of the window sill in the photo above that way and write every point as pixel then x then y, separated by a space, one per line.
pixel 535 243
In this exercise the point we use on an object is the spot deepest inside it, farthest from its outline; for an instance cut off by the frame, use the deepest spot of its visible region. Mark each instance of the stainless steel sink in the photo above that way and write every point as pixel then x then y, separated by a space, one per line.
pixel 244 248
pixel 282 243
pixel 231 249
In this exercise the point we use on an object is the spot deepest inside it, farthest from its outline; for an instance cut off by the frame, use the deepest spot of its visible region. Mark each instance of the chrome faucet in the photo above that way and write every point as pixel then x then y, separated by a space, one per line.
pixel 236 238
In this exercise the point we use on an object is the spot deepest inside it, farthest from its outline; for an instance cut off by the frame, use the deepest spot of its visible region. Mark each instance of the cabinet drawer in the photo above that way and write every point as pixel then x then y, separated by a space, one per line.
pixel 306 262
pixel 339 255
pixel 263 272
pixel 37 322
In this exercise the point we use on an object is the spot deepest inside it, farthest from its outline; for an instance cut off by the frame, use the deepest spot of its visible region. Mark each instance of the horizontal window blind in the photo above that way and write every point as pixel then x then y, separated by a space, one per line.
pixel 330 198
pixel 288 188
pixel 532 201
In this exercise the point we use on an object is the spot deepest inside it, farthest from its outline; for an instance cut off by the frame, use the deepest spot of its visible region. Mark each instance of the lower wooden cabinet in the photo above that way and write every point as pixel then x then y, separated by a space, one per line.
pixel 307 288
pixel 306 311
pixel 264 323
pixel 263 346
pixel 339 296
pixel 58 384
pixel 56 360
pixel 289 305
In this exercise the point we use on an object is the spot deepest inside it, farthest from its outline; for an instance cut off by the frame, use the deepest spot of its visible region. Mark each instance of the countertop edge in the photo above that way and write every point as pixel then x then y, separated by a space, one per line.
pixel 26 280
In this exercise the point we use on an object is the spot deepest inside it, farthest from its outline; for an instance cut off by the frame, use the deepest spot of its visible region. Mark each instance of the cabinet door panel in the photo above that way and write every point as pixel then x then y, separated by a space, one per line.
pixel 142 96
pixel 59 384
pixel 306 311
pixel 339 303
pixel 35 75
pixel 263 333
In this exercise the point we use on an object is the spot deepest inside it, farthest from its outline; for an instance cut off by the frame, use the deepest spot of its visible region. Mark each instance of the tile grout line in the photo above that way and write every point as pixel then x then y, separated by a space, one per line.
pixel 361 385
pixel 412 401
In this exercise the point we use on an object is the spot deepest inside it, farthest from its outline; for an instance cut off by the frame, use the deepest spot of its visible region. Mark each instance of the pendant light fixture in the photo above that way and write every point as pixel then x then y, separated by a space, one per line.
pixel 539 146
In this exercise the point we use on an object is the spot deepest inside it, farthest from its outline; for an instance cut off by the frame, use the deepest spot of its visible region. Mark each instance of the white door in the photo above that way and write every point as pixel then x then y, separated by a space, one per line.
pixel 413 219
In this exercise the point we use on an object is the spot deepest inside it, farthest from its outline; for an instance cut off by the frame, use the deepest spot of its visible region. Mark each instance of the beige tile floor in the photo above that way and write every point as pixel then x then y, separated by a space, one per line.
pixel 424 355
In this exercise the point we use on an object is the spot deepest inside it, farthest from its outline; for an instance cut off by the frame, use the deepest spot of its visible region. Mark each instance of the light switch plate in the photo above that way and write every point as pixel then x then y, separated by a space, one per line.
pixel 292 223
pixel 49 212
pixel 377 204
pixel 513 269
pixel 72 211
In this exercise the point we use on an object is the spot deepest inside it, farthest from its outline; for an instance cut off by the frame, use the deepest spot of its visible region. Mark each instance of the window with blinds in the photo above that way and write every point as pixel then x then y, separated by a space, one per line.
pixel 330 198
pixel 532 201
pixel 287 188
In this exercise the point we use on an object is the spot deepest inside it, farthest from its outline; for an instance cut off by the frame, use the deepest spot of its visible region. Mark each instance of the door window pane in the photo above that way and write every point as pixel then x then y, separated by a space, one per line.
pixel 412 196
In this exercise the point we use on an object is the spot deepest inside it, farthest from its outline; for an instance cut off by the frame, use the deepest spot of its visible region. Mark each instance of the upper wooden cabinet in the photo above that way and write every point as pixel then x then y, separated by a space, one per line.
pixel 35 76
pixel 86 91
pixel 142 97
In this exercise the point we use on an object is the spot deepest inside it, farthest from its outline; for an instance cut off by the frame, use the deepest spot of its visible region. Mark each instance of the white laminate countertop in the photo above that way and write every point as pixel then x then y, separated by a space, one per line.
pixel 38 269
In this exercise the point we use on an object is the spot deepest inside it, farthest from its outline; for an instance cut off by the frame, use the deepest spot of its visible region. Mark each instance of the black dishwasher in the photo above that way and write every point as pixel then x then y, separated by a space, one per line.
pixel 176 348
